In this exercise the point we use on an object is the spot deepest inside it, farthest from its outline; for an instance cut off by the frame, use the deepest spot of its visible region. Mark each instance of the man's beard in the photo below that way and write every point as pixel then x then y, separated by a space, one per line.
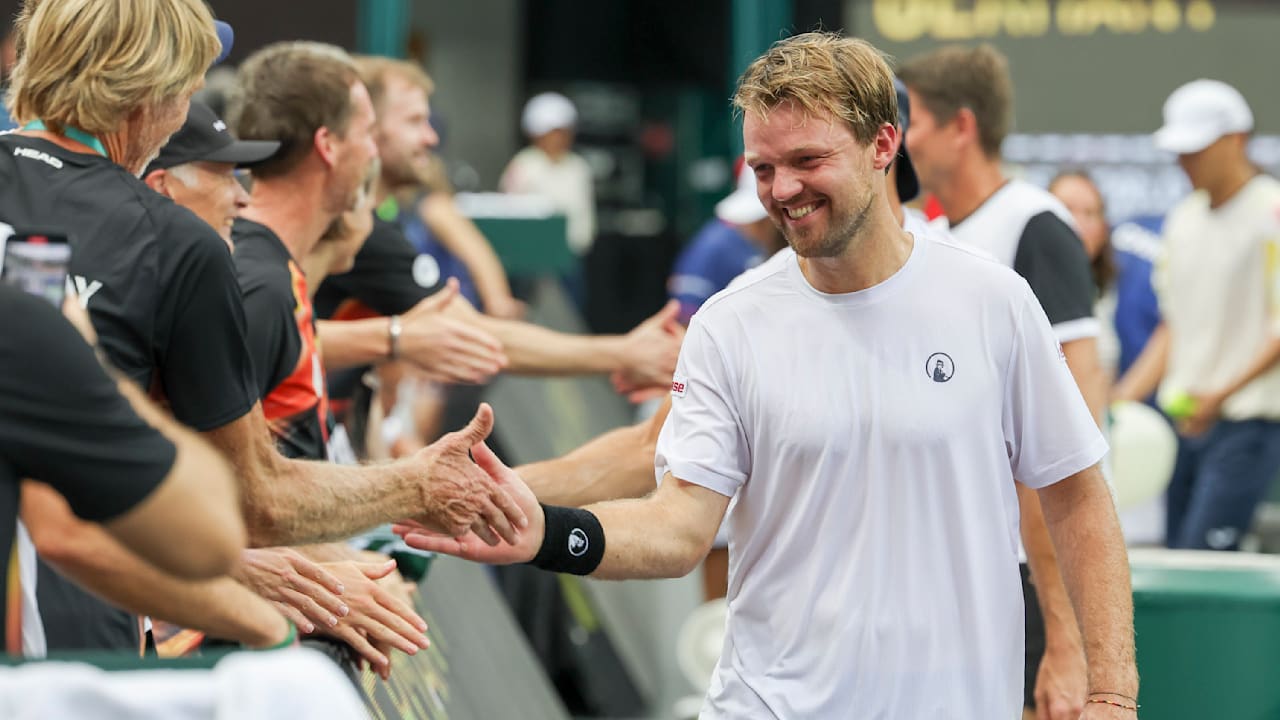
pixel 837 238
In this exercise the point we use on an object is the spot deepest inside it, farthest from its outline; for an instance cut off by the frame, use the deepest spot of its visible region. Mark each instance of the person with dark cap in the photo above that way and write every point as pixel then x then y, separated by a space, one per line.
pixel 197 168
pixel 963 110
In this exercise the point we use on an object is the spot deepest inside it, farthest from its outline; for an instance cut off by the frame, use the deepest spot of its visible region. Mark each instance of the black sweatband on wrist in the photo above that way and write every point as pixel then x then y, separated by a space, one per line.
pixel 573 541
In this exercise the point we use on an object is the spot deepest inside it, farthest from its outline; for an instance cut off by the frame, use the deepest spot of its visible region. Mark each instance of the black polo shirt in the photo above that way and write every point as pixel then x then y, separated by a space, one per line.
pixel 161 291
pixel 63 422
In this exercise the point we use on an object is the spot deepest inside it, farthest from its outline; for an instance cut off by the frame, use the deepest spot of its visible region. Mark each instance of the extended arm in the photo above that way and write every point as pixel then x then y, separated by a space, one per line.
pixel 663 535
pixel 618 464
pixel 88 555
pixel 288 502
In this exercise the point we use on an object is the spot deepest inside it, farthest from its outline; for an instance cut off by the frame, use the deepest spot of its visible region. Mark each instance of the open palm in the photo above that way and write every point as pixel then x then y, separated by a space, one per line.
pixel 470 546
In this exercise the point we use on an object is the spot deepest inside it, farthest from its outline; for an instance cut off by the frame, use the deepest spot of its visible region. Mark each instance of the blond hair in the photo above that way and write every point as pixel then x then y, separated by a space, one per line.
pixel 953 78
pixel 288 91
pixel 376 70
pixel 826 75
pixel 90 63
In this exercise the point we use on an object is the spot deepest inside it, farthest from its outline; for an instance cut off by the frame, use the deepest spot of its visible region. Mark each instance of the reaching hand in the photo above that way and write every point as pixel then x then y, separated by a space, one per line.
pixel 458 495
pixel 377 618
pixel 447 349
pixel 303 591
pixel 652 349
pixel 472 546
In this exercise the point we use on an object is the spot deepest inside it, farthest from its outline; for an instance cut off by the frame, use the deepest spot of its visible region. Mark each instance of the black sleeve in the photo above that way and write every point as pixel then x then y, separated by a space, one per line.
pixel 62 420
pixel 273 338
pixel 205 367
pixel 1051 258
pixel 387 276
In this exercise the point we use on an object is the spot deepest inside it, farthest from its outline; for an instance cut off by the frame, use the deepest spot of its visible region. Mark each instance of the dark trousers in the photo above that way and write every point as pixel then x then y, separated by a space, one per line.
pixel 1218 482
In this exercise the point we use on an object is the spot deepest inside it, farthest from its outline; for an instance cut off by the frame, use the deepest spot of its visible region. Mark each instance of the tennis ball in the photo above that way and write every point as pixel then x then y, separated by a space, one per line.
pixel 1180 405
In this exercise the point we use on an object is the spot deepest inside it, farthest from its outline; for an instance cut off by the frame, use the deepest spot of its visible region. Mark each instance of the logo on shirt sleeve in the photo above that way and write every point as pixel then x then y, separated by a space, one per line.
pixel 679 384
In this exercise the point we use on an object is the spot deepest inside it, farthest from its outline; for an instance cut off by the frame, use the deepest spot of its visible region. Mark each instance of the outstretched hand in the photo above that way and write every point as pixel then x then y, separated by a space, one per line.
pixel 652 349
pixel 474 546
pixel 459 496
pixel 445 347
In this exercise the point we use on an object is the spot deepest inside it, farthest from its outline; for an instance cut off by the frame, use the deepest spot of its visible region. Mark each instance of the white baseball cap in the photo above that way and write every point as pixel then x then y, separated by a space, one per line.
pixel 1199 113
pixel 546 112
pixel 742 206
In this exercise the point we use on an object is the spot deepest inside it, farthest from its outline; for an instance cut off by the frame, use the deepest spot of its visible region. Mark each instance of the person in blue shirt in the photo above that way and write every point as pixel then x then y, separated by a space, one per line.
pixel 738 238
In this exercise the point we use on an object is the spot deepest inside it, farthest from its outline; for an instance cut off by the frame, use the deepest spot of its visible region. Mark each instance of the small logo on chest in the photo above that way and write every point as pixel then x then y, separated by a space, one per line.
pixel 940 367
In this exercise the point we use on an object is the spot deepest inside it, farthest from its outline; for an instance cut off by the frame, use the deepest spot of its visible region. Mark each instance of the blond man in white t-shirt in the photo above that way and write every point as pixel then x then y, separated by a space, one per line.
pixel 870 404
pixel 1215 355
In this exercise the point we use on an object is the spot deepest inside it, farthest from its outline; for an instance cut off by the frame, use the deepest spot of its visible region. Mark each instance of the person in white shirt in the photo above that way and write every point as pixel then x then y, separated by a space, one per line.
pixel 1218 283
pixel 870 406
pixel 963 102
pixel 548 167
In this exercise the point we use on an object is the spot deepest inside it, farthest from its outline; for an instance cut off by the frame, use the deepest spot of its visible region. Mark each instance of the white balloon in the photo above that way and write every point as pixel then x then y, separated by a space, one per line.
pixel 1143 451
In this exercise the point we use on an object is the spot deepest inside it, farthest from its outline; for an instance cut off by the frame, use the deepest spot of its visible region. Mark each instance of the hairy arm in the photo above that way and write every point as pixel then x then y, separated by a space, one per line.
pixel 649 351
pixel 663 535
pixel 1081 518
pixel 1060 687
pixel 618 464
pixel 289 502
pixel 196 502
pixel 447 349
pixel 88 555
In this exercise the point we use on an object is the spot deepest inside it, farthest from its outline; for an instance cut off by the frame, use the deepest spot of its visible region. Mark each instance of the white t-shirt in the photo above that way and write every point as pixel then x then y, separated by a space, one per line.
pixel 1218 282
pixel 567 183
pixel 872 440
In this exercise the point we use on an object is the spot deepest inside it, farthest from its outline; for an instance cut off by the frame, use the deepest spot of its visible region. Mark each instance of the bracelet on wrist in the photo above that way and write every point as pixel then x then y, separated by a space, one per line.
pixel 394 327
pixel 1103 701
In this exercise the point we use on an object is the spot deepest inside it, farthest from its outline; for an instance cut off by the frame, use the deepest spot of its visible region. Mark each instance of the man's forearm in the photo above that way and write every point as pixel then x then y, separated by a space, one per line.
pixel 1055 605
pixel 293 502
pixel 1086 534
pixel 618 464
pixel 93 559
pixel 664 535
pixel 534 350
pixel 351 343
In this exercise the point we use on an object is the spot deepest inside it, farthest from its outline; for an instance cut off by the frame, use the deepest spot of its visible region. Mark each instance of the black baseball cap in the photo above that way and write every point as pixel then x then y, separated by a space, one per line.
pixel 908 183
pixel 204 137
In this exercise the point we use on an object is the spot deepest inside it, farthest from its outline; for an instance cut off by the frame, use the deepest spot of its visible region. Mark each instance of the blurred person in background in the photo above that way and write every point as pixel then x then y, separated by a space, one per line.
pixel 738 238
pixel 1214 355
pixel 1083 200
pixel 962 103
pixel 549 168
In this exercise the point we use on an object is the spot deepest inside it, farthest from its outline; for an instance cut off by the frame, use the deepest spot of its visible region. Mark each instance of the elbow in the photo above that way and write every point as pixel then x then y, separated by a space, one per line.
pixel 692 552
pixel 262 525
